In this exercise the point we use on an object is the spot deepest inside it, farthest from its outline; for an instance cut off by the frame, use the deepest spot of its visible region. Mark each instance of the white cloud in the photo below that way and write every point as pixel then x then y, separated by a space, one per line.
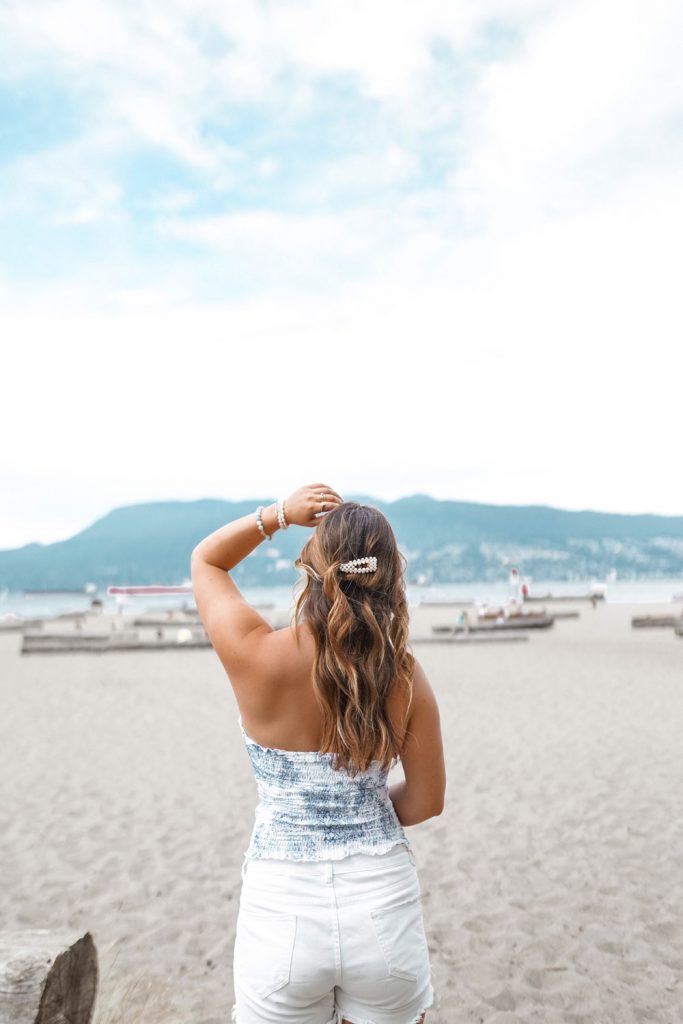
pixel 173 201
pixel 67 182
pixel 147 66
pixel 591 99
pixel 267 168
pixel 369 171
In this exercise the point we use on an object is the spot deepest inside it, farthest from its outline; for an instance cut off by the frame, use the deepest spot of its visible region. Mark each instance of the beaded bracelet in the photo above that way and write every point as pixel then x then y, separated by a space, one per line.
pixel 259 523
pixel 280 509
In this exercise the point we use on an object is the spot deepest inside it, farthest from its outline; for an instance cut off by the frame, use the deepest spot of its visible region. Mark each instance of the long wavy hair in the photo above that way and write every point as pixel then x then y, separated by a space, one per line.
pixel 360 625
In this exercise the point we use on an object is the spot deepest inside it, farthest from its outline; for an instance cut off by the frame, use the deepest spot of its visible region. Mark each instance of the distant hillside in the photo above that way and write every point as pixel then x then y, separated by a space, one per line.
pixel 444 541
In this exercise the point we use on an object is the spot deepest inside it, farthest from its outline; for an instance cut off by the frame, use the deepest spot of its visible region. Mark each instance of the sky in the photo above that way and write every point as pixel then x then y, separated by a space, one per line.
pixel 389 246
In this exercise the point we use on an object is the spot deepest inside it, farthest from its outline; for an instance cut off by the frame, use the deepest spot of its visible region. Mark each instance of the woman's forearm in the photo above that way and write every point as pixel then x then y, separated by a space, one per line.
pixel 230 544
pixel 406 811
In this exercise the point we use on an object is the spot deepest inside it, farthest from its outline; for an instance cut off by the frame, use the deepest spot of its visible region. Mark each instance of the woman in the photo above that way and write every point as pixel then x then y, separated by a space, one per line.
pixel 330 927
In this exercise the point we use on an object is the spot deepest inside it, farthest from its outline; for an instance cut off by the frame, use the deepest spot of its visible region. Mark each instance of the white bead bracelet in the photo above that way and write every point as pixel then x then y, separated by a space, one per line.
pixel 259 523
pixel 280 509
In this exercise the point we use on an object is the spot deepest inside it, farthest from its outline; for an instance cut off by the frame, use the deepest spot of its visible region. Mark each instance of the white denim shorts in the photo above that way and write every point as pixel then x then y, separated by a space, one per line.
pixel 320 941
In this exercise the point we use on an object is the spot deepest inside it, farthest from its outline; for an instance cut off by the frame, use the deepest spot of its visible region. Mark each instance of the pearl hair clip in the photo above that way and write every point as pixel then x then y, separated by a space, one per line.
pixel 366 564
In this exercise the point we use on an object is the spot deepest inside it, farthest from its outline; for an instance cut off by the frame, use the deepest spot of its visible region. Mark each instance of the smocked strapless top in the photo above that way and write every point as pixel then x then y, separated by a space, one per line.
pixel 308 810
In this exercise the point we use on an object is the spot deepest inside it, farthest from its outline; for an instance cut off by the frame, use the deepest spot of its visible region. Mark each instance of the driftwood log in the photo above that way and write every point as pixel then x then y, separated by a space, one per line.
pixel 478 638
pixel 47 977
pixel 456 603
pixel 647 621
pixel 108 645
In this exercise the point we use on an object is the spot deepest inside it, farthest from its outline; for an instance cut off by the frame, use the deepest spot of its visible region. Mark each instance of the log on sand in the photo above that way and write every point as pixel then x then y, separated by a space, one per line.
pixel 652 621
pixel 47 977
pixel 477 638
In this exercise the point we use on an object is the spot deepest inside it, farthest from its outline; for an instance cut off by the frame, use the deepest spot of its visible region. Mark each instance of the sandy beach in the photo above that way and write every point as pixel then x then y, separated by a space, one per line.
pixel 552 883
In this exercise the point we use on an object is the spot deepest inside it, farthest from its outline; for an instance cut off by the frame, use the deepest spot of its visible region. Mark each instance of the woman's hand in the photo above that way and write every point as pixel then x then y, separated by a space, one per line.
pixel 304 506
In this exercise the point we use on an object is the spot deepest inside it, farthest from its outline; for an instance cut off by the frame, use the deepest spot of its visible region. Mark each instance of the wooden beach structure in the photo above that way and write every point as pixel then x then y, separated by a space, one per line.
pixel 509 624
pixel 495 613
pixel 175 629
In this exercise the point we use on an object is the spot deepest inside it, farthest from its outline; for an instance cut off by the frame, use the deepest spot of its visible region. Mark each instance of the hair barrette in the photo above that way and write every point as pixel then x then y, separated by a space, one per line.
pixel 368 563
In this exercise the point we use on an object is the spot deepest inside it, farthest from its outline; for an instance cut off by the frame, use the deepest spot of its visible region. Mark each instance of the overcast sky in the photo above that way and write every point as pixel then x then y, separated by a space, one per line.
pixel 392 246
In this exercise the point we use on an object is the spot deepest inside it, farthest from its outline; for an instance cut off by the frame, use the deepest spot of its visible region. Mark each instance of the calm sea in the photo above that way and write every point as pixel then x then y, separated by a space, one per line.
pixel 619 591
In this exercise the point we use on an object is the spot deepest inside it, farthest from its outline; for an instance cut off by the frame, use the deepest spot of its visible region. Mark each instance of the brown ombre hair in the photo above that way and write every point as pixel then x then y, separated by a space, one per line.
pixel 360 626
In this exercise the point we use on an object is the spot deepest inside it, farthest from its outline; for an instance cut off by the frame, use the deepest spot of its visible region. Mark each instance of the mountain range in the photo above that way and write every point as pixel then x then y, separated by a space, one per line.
pixel 443 541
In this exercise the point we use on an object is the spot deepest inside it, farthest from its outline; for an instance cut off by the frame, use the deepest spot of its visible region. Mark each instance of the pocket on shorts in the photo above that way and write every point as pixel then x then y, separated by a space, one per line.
pixel 400 931
pixel 264 944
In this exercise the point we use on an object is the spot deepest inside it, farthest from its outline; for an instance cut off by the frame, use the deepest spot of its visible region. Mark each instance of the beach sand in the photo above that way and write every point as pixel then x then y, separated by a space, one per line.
pixel 552 883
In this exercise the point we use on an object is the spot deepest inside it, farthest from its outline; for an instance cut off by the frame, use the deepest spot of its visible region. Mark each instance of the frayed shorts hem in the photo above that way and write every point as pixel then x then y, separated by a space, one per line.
pixel 334 1019
pixel 339 1015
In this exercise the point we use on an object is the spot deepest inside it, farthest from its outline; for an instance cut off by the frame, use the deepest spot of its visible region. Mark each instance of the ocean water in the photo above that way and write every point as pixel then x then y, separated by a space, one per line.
pixel 26 606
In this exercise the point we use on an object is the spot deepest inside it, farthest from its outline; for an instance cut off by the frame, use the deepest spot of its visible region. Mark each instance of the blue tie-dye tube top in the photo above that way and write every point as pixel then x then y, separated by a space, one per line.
pixel 308 810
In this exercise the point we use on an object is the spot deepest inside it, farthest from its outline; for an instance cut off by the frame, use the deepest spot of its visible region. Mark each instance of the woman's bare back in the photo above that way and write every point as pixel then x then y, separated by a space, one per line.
pixel 285 714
